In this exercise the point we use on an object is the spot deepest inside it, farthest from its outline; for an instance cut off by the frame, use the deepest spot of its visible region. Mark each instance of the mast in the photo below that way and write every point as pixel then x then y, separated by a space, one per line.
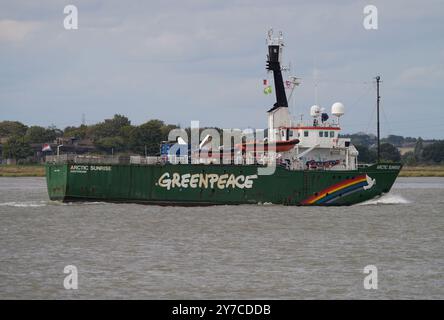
pixel 274 64
pixel 378 79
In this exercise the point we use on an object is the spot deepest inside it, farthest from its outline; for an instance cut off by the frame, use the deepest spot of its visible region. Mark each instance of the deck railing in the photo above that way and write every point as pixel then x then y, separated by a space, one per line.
pixel 263 160
pixel 73 158
pixel 154 160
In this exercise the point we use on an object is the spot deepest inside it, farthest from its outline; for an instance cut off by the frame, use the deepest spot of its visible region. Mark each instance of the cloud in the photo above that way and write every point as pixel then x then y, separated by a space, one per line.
pixel 205 59
pixel 421 76
pixel 16 31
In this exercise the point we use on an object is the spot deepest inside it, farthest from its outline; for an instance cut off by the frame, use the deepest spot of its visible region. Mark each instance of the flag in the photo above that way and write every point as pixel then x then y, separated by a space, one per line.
pixel 46 147
pixel 288 84
pixel 268 90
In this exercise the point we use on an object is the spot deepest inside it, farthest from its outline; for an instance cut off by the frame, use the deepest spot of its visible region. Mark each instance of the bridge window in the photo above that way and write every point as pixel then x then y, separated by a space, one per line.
pixel 332 134
pixel 326 134
pixel 305 133
pixel 321 133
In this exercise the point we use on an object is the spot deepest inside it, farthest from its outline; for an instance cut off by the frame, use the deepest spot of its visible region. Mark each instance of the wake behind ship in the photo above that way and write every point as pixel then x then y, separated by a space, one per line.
pixel 298 163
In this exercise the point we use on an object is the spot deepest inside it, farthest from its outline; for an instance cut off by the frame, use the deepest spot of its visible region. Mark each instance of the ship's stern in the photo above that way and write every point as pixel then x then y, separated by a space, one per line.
pixel 56 180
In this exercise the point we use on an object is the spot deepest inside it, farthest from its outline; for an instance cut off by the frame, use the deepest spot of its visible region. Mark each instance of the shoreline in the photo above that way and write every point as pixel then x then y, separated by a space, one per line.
pixel 39 171
pixel 422 171
pixel 36 170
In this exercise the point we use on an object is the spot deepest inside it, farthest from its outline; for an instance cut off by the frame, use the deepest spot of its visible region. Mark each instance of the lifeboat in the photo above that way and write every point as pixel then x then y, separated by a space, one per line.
pixel 280 146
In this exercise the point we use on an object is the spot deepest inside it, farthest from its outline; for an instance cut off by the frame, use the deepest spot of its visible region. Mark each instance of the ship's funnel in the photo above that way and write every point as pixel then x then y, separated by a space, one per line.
pixel 274 64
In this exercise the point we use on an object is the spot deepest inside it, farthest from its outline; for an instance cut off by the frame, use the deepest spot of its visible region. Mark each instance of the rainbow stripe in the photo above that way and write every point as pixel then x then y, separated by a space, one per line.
pixel 337 190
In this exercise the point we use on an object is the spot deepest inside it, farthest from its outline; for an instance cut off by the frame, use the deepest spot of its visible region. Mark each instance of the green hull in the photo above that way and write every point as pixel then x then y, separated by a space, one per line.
pixel 215 184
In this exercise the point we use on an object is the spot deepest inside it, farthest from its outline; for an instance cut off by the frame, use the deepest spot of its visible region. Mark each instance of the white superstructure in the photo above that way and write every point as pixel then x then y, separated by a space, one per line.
pixel 319 144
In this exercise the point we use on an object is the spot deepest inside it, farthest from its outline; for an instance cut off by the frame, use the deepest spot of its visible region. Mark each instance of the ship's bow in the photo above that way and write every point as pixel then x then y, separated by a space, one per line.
pixel 380 178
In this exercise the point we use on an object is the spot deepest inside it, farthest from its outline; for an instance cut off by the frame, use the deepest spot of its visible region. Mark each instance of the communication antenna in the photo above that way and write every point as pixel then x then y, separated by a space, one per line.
pixel 294 82
pixel 315 79
pixel 378 98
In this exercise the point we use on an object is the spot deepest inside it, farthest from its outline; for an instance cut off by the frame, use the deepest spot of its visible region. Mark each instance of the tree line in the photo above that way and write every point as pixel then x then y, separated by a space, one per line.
pixel 423 152
pixel 118 135
pixel 112 135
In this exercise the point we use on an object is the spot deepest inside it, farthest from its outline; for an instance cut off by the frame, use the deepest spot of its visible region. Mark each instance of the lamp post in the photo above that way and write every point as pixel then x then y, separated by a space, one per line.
pixel 58 149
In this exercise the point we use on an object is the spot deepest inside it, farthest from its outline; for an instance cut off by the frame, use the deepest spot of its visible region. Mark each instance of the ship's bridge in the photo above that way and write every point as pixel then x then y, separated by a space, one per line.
pixel 320 142
pixel 324 136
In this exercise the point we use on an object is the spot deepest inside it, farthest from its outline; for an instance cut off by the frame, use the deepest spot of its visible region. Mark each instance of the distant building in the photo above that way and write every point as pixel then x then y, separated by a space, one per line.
pixel 404 150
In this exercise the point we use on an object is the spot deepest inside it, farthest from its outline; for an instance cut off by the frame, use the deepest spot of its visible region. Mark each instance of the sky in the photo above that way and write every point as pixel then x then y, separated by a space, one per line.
pixel 187 60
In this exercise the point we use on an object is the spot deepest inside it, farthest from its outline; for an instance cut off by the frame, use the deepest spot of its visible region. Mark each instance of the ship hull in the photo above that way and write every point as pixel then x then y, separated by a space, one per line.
pixel 201 185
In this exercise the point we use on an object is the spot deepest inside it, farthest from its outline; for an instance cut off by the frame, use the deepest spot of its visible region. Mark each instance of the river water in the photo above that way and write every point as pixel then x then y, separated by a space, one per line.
pixel 249 251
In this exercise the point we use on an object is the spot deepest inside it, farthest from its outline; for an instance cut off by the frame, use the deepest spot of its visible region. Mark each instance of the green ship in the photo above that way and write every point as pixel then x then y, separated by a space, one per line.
pixel 298 163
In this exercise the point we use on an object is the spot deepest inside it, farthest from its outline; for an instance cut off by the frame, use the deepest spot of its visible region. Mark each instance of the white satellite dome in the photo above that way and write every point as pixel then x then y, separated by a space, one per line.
pixel 337 109
pixel 315 110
